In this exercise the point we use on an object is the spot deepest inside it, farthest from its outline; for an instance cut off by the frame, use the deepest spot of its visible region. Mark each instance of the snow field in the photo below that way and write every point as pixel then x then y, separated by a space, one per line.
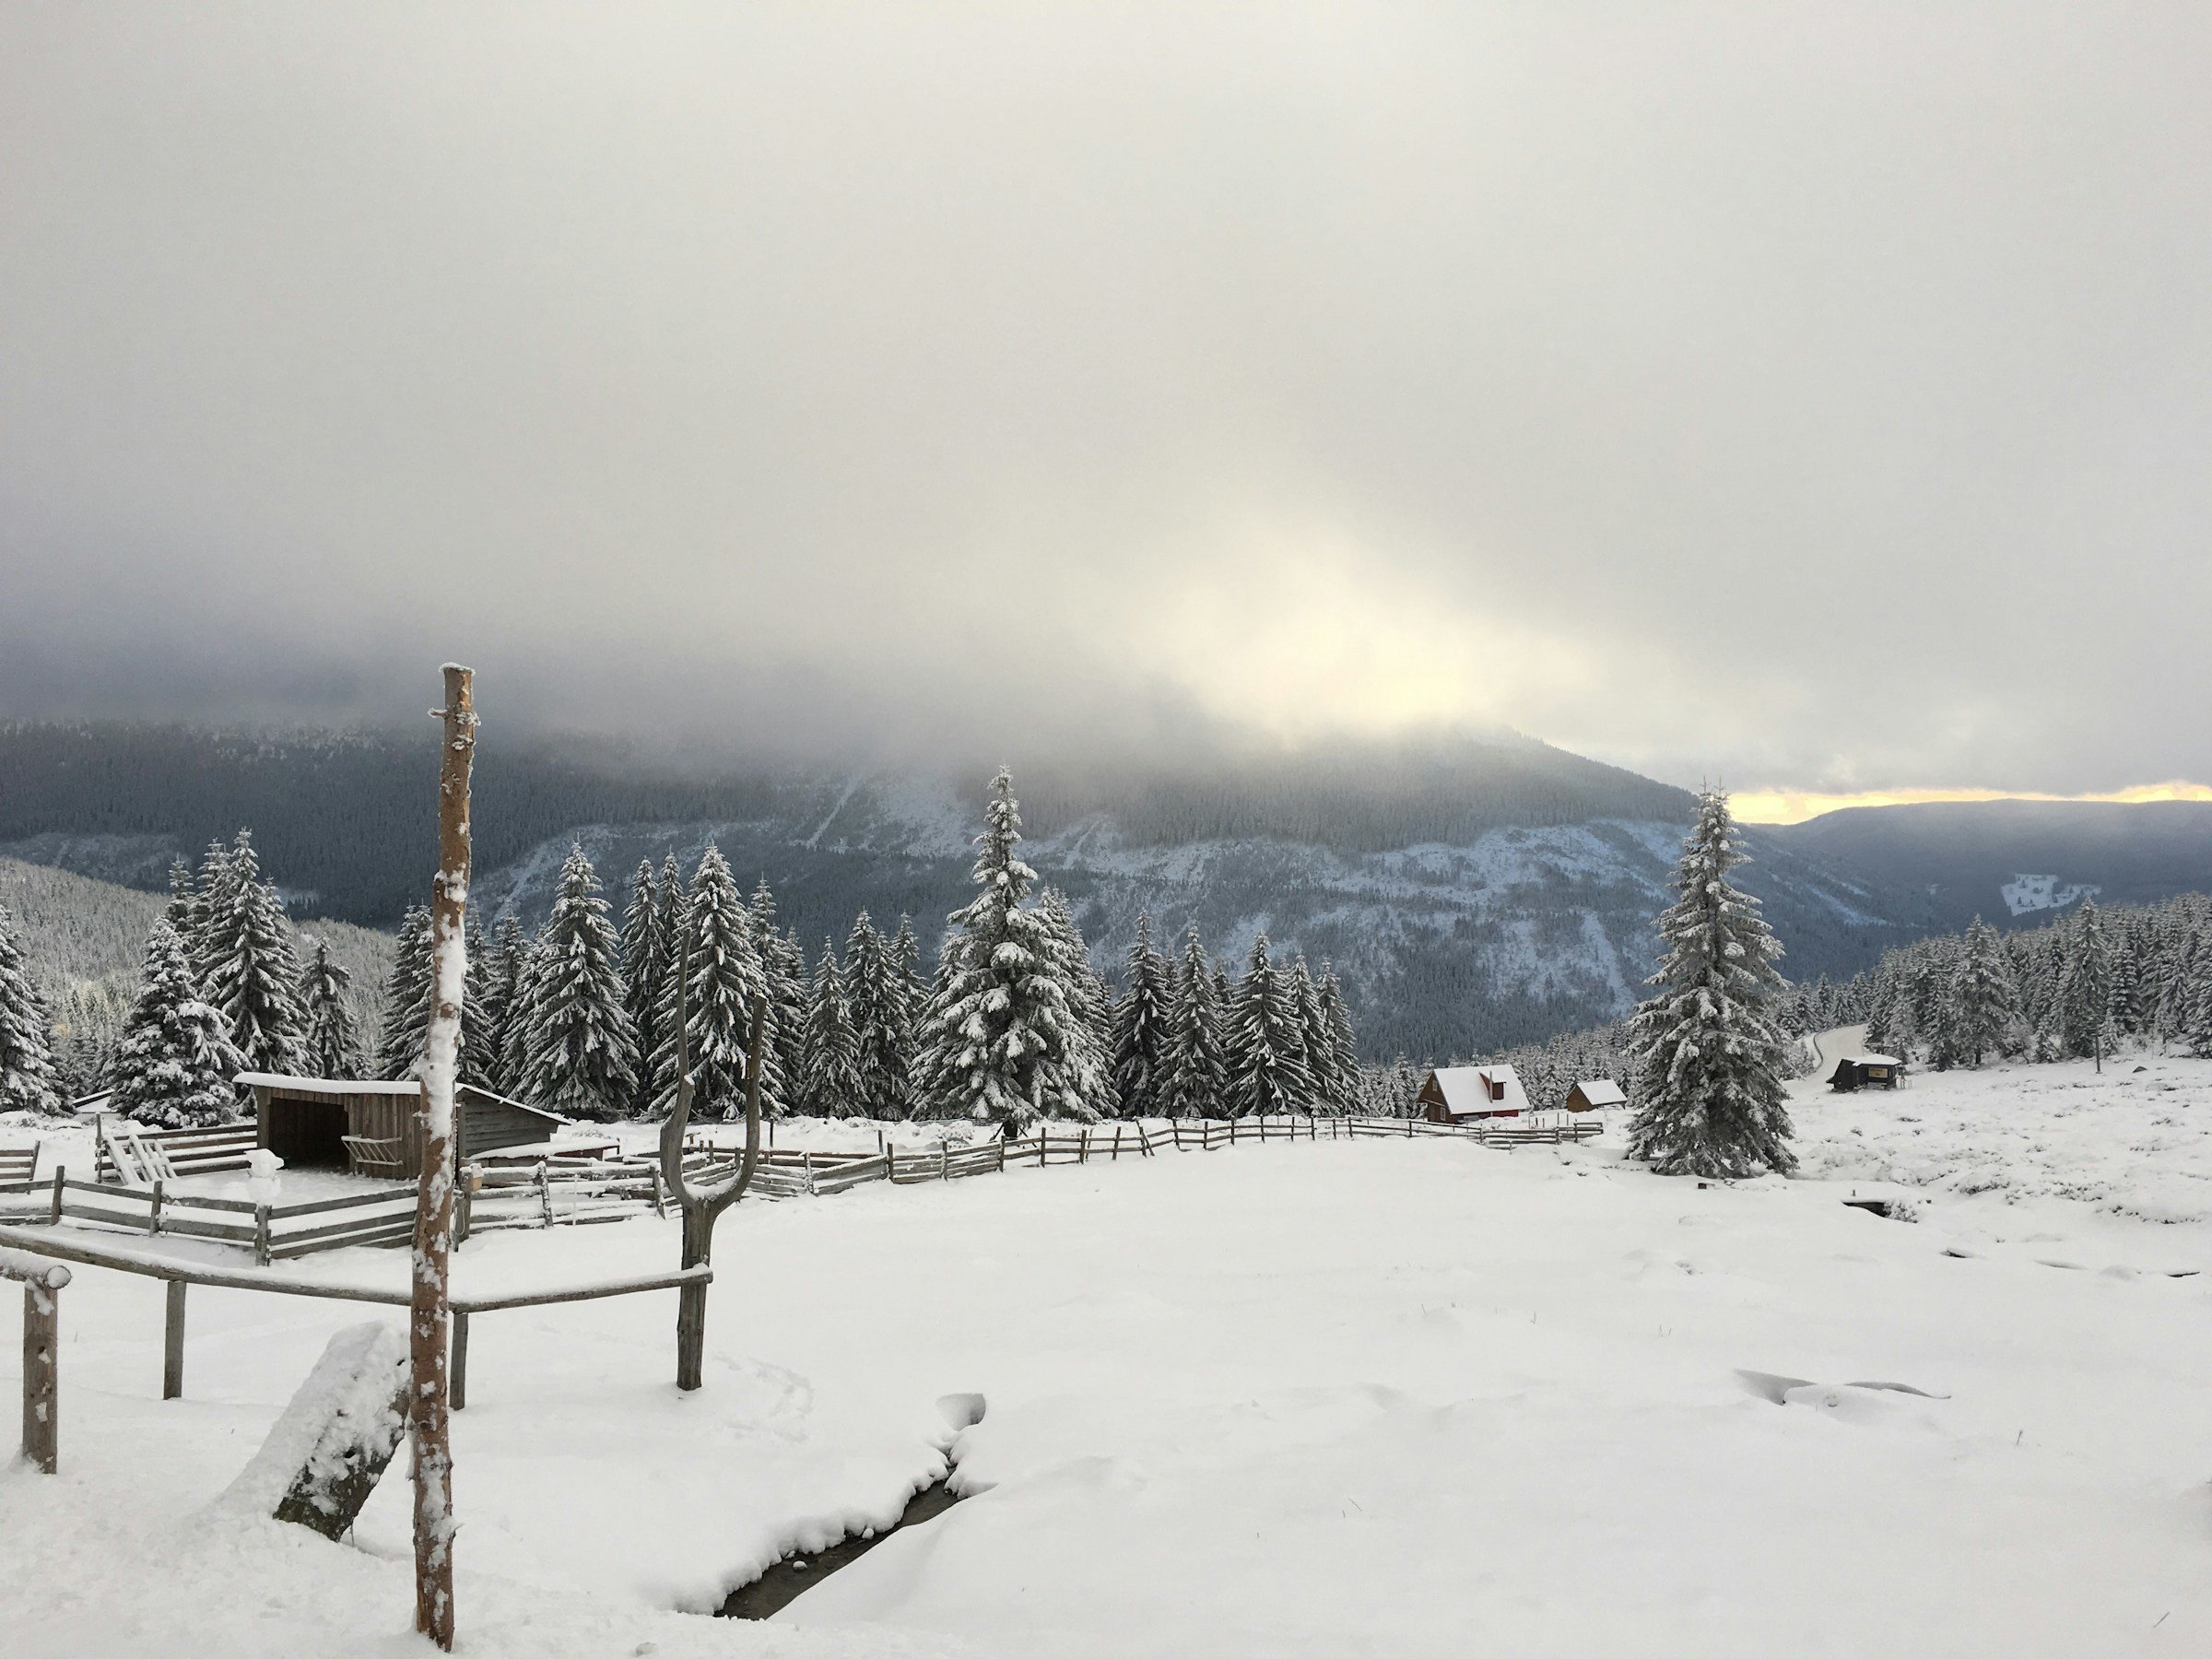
pixel 1313 1398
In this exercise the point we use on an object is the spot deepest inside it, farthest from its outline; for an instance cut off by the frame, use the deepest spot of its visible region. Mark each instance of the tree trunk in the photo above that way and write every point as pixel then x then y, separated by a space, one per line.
pixel 691 1299
pixel 430 1309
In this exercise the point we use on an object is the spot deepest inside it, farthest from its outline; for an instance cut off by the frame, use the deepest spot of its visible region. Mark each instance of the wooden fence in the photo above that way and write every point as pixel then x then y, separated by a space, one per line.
pixel 205 1151
pixel 273 1232
pixel 42 1282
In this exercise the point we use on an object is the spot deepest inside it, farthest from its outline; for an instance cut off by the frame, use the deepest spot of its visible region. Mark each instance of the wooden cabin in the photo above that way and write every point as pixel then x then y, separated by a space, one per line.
pixel 1459 1094
pixel 1865 1071
pixel 1595 1094
pixel 370 1127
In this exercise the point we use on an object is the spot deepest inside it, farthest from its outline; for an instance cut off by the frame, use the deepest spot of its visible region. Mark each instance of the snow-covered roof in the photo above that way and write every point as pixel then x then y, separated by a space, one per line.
pixel 1870 1060
pixel 1602 1091
pixel 1470 1089
pixel 326 1086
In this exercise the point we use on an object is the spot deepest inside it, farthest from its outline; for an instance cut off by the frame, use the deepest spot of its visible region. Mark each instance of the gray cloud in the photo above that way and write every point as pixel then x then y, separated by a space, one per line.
pixel 1815 396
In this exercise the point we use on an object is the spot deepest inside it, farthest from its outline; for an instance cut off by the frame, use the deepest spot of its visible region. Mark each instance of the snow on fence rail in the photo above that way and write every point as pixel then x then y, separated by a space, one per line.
pixel 269 1230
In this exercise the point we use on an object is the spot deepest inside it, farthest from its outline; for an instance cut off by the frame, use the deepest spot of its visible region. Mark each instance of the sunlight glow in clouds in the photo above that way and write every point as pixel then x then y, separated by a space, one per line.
pixel 1793 807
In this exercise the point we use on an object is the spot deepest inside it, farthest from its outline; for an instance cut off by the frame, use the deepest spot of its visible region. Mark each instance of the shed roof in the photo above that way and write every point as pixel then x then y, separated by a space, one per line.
pixel 1870 1060
pixel 1467 1089
pixel 332 1087
pixel 1602 1091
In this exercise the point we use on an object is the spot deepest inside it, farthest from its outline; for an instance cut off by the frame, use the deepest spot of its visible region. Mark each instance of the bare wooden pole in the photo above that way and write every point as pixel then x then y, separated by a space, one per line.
pixel 703 1206
pixel 430 1309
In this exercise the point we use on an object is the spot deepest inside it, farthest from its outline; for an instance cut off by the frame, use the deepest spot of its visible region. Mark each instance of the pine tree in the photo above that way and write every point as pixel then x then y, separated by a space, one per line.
pixel 1003 1043
pixel 211 901
pixel 1142 1028
pixel 183 909
pixel 1198 1069
pixel 717 975
pixel 831 1068
pixel 250 971
pixel 489 1027
pixel 1709 1053
pixel 2086 996
pixel 1268 1077
pixel 879 1011
pixel 1984 1004
pixel 331 1047
pixel 403 1023
pixel 579 1056
pixel 29 1081
pixel 1341 1094
pixel 174 1063
pixel 644 954
pixel 1315 1055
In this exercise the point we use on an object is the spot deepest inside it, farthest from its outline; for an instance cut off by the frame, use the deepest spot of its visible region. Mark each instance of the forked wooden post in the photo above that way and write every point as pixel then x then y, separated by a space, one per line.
pixel 430 1307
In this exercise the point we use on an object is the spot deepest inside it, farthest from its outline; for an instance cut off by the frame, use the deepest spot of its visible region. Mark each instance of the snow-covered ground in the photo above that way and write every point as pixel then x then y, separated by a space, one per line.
pixel 1316 1398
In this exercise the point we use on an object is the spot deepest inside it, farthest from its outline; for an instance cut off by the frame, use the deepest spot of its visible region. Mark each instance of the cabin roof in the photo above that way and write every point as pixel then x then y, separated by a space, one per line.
pixel 1602 1091
pixel 332 1087
pixel 1870 1060
pixel 1465 1089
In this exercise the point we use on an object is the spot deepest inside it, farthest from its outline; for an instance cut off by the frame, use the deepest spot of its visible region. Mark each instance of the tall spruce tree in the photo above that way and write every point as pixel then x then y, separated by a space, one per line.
pixel 1985 1005
pixel 880 1014
pixel 1143 1032
pixel 1268 1075
pixel 490 1026
pixel 1706 1043
pixel 331 1047
pixel 249 970
pixel 644 954
pixel 1340 1093
pixel 2086 998
pixel 29 1081
pixel 174 1063
pixel 210 903
pixel 1197 1065
pixel 783 971
pixel 1004 1044
pixel 1314 1055
pixel 404 1018
pixel 579 1056
pixel 829 1068
pixel 717 974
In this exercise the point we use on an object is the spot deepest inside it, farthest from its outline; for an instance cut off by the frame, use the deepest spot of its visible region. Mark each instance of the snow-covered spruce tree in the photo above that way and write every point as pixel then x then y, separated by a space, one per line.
pixel 579 1056
pixel 331 1047
pixel 719 973
pixel 1706 1044
pixel 404 1018
pixel 2086 998
pixel 1197 1067
pixel 1985 1005
pixel 1314 1053
pixel 1143 1034
pixel 486 1022
pixel 181 912
pixel 783 971
pixel 1087 994
pixel 644 951
pixel 829 1074
pixel 1268 1077
pixel 1004 1044
pixel 251 973
pixel 1343 1095
pixel 210 903
pixel 173 1065
pixel 878 1006
pixel 27 1079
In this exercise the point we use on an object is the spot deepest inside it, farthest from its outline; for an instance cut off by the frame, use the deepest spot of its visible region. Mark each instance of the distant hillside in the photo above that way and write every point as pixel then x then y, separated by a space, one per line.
pixel 2014 863
pixel 85 940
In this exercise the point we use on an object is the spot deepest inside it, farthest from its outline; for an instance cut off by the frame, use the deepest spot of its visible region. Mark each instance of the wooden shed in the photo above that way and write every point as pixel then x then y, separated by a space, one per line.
pixel 1594 1094
pixel 1865 1071
pixel 307 1120
pixel 1455 1094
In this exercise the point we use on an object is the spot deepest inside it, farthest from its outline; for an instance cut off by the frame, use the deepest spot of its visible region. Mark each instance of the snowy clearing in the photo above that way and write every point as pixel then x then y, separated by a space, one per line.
pixel 1315 1398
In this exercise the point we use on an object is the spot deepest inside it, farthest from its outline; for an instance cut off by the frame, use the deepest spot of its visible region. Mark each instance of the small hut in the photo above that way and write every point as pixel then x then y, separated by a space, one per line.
pixel 370 1127
pixel 1459 1094
pixel 1594 1094
pixel 1865 1071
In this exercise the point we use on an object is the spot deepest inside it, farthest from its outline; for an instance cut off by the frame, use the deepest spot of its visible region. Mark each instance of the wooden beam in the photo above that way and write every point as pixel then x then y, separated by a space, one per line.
pixel 172 1341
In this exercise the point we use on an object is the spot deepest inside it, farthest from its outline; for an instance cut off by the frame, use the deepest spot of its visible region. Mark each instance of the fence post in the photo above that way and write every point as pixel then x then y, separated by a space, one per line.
pixel 465 1203
pixel 261 1235
pixel 944 1159
pixel 545 1193
pixel 153 1216
pixel 1002 1154
pixel 660 1192
pixel 60 1173
pixel 457 1372
pixel 808 1159
pixel 42 1360
pixel 172 1341
pixel 1117 1144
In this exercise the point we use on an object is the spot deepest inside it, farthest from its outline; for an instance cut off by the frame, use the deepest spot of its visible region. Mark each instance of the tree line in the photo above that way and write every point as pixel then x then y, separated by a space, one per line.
pixel 581 1016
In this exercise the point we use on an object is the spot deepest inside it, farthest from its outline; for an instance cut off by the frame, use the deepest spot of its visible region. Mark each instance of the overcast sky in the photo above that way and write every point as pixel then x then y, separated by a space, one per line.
pixel 1818 396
